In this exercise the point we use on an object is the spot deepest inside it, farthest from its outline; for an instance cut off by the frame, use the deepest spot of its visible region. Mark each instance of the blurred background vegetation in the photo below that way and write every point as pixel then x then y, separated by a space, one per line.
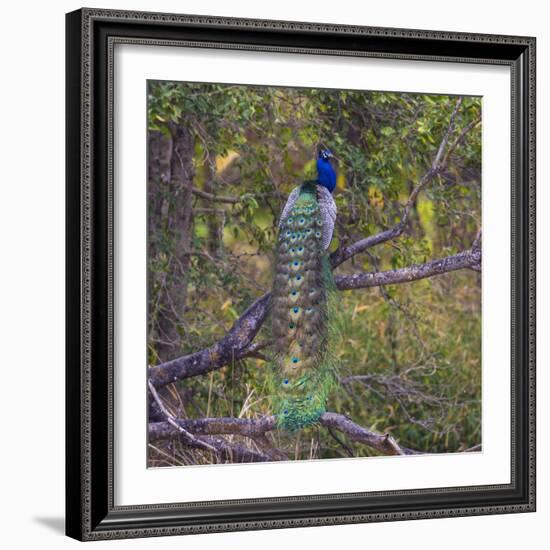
pixel 222 161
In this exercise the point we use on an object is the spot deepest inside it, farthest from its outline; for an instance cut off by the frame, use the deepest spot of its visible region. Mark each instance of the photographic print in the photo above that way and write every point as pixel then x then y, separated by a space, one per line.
pixel 314 273
pixel 281 225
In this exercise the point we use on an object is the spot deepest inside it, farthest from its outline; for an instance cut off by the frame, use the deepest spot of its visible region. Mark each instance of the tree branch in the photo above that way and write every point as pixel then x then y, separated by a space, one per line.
pixel 215 426
pixel 469 258
pixel 214 198
pixel 385 444
pixel 234 345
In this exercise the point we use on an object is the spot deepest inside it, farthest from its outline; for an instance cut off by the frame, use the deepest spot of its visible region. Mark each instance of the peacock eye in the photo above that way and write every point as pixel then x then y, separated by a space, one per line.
pixel 295 360
pixel 285 381
pixel 291 326
pixel 300 249
pixel 296 309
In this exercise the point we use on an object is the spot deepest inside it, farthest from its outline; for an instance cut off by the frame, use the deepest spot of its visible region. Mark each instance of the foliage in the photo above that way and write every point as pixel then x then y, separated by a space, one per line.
pixel 410 355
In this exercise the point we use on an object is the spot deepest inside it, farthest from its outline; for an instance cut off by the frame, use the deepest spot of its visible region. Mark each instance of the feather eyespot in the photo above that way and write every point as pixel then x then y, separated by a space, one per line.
pixel 298 277
pixel 285 381
pixel 300 249
pixel 291 326
pixel 317 233
pixel 296 309
pixel 295 360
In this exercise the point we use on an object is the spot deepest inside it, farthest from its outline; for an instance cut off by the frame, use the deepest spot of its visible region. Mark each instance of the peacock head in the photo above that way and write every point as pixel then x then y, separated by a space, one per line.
pixel 325 154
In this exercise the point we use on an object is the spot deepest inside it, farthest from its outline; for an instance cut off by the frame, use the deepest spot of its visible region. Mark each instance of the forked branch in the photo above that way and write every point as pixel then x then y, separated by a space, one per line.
pixel 255 429
pixel 439 164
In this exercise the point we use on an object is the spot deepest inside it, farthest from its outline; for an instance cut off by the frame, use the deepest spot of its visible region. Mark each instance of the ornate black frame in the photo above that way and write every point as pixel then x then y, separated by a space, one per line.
pixel 91 35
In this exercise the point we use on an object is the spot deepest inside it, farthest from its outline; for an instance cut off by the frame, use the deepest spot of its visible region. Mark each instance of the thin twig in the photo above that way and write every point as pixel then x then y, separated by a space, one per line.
pixel 349 452
pixel 214 198
pixel 172 421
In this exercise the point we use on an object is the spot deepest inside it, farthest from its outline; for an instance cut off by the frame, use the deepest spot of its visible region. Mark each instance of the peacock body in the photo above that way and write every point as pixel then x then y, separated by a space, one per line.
pixel 303 303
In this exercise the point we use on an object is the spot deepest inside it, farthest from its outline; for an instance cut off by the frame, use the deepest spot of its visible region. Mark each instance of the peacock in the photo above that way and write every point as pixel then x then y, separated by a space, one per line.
pixel 304 302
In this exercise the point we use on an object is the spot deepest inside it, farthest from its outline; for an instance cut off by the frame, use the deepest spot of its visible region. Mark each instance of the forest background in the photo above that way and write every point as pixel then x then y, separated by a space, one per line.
pixel 406 253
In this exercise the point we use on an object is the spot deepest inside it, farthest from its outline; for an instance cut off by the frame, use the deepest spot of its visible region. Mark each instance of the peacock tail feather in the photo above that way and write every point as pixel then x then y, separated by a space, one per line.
pixel 303 301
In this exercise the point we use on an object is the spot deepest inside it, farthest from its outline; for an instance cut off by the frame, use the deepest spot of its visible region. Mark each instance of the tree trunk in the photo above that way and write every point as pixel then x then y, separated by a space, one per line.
pixel 171 175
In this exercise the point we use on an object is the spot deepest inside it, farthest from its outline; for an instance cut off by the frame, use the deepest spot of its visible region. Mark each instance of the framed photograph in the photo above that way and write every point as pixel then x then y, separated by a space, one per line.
pixel 300 274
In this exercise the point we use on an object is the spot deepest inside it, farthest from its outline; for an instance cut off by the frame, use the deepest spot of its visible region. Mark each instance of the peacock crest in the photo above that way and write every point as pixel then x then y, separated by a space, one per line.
pixel 303 302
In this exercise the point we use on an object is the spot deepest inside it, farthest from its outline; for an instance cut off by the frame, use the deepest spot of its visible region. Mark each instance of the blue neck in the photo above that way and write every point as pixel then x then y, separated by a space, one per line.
pixel 326 176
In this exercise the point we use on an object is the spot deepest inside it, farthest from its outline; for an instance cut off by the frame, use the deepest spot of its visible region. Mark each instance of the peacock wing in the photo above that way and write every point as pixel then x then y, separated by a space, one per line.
pixel 291 201
pixel 327 208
